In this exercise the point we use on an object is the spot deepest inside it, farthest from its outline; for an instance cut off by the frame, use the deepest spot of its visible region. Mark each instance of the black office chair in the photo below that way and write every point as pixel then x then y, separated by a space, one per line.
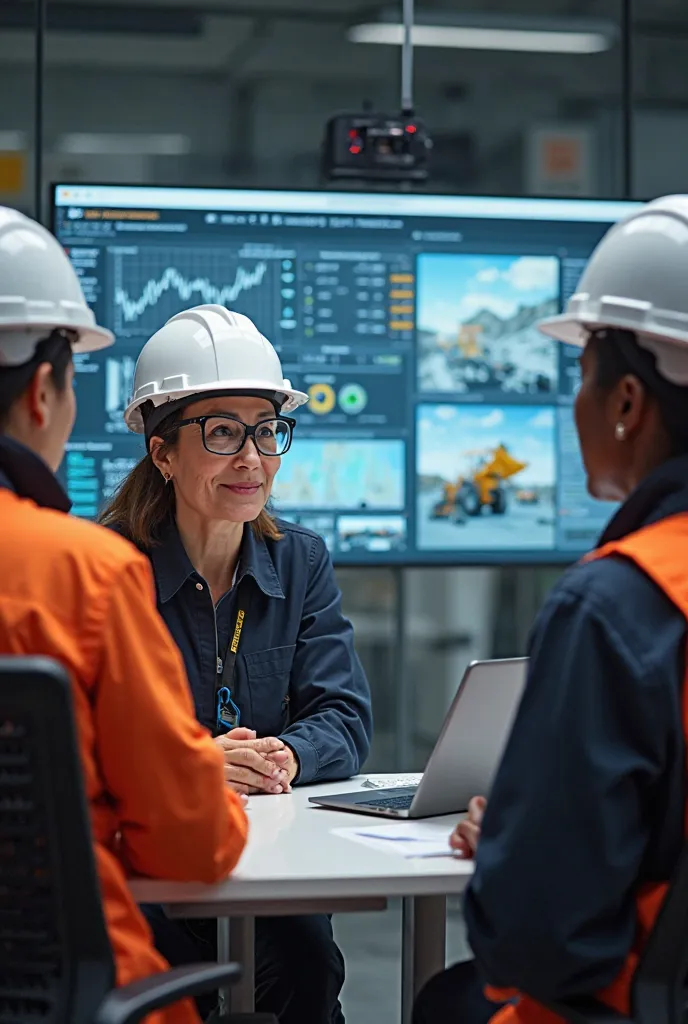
pixel 659 992
pixel 56 965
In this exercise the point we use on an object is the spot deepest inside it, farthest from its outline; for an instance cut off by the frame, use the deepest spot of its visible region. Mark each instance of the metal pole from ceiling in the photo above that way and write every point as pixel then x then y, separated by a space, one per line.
pixel 627 134
pixel 38 107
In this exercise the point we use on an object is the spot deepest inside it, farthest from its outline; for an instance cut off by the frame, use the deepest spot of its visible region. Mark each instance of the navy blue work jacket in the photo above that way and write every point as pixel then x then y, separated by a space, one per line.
pixel 298 676
pixel 589 800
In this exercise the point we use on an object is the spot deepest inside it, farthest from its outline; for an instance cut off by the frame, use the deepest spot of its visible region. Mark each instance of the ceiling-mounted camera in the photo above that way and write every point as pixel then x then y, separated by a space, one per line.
pixel 371 147
pixel 376 147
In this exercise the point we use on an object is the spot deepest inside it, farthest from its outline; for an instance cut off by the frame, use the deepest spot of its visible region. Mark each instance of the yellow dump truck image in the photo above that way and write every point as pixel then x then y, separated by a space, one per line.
pixel 482 488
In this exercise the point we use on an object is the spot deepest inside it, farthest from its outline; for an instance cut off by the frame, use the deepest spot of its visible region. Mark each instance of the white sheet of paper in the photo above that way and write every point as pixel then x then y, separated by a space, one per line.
pixel 392 781
pixel 410 839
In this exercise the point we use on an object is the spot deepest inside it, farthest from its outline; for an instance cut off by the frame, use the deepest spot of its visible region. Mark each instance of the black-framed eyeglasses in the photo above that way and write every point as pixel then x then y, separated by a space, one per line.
pixel 226 435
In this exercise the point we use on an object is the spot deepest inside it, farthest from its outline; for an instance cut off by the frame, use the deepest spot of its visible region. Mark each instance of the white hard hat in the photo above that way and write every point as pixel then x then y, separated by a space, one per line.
pixel 39 292
pixel 207 349
pixel 637 280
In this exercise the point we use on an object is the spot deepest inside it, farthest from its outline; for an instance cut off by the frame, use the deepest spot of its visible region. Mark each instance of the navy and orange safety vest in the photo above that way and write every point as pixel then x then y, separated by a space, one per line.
pixel 654 550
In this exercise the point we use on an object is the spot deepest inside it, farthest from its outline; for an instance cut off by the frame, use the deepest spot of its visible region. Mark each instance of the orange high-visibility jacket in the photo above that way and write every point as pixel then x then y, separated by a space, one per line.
pixel 154 778
pixel 654 551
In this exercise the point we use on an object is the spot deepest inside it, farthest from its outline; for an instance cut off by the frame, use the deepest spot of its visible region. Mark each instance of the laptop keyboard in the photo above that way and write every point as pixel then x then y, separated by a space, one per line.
pixel 400 803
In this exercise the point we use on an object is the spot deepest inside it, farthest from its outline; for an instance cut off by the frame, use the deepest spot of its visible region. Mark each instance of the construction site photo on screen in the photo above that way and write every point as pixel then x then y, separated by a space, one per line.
pixel 485 477
pixel 477 324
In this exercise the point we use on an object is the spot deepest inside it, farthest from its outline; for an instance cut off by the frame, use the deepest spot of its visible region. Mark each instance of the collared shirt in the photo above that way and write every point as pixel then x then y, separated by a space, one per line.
pixel 297 674
pixel 27 475
pixel 551 908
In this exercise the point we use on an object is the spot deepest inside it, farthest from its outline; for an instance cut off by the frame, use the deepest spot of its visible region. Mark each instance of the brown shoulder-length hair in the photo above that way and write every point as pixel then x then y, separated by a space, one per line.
pixel 144 503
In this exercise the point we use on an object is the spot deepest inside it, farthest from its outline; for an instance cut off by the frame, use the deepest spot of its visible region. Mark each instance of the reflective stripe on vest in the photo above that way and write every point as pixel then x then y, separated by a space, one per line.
pixel 660 552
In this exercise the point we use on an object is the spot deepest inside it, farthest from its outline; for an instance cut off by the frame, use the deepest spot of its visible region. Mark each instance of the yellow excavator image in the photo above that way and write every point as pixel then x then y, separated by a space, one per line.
pixel 482 488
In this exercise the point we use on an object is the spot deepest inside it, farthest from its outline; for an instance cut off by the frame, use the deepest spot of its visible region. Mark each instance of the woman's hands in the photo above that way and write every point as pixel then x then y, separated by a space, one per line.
pixel 257 765
pixel 464 839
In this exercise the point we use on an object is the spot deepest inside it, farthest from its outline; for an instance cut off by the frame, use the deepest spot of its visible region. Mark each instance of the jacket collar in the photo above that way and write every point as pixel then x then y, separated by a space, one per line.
pixel 173 567
pixel 26 474
pixel 662 494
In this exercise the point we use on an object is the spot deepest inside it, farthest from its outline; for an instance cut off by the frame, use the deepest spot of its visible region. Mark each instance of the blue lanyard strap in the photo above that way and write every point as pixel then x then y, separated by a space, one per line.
pixel 228 715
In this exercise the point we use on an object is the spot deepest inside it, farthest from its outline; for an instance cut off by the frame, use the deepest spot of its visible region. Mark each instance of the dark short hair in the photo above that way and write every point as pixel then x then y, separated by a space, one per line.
pixel 618 354
pixel 55 349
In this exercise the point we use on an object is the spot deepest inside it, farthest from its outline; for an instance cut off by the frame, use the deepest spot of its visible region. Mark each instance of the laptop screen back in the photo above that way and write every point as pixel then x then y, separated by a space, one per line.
pixel 475 731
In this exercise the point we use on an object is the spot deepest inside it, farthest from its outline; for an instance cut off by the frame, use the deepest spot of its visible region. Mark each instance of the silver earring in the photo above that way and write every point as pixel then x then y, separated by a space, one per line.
pixel 620 432
pixel 168 477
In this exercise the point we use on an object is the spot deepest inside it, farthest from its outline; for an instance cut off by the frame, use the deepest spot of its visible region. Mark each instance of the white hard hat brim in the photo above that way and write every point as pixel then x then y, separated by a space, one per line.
pixel 566 329
pixel 292 399
pixel 92 339
pixel 662 333
pixel 585 314
pixel 18 342
pixel 572 331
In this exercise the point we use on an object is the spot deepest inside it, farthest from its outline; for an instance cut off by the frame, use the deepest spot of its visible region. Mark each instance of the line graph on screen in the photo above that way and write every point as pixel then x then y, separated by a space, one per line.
pixel 152 284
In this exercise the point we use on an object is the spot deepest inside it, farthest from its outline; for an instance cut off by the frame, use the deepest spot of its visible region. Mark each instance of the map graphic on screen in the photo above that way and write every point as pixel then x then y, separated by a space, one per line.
pixel 341 475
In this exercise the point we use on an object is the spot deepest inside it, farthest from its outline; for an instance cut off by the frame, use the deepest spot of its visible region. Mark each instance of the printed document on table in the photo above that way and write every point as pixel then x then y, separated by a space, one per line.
pixel 408 839
pixel 391 781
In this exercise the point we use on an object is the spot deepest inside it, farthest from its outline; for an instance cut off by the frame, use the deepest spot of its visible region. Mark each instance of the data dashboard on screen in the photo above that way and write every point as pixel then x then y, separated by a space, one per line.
pixel 440 424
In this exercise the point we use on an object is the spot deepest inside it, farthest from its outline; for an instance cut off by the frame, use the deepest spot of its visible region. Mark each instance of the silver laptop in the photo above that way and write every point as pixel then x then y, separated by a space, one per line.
pixel 466 755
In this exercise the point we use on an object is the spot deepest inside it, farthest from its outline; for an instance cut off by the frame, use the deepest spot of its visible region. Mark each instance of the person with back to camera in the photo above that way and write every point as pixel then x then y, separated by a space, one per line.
pixel 586 818
pixel 252 603
pixel 74 592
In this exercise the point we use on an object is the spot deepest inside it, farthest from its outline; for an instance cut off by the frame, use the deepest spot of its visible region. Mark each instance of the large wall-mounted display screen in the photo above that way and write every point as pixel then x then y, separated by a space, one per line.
pixel 440 423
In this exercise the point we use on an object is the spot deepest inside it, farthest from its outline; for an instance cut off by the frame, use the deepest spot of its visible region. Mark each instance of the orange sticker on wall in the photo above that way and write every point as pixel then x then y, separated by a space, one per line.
pixel 12 173
pixel 562 157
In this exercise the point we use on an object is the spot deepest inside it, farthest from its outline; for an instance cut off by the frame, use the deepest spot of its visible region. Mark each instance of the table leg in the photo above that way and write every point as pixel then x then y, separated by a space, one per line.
pixel 423 946
pixel 236 942
pixel 225 994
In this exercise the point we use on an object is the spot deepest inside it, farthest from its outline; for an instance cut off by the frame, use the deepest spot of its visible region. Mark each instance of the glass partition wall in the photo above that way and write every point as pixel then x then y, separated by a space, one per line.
pixel 229 93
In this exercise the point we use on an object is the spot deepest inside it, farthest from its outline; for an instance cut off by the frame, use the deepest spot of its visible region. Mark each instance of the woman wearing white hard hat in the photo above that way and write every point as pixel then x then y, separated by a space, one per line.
pixel 586 818
pixel 252 603
pixel 75 593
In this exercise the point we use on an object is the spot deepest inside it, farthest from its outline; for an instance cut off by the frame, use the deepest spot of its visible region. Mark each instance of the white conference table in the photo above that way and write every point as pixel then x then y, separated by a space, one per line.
pixel 293 864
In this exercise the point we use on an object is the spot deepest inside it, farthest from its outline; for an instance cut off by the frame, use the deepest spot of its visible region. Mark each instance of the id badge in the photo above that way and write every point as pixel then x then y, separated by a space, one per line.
pixel 228 715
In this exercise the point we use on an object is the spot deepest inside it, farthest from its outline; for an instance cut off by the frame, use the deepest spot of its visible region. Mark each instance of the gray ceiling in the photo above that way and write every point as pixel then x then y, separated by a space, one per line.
pixel 306 39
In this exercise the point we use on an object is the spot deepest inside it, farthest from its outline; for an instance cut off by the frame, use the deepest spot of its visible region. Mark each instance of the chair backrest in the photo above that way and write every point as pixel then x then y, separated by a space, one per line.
pixel 55 959
pixel 659 992
pixel 659 986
